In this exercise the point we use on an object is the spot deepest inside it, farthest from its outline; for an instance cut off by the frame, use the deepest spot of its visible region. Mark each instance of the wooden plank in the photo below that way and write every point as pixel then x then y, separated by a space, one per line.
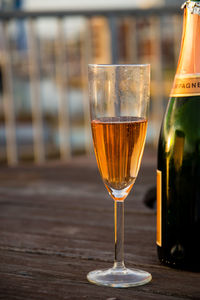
pixel 57 225
pixel 155 33
pixel 8 99
pixel 62 87
pixel 85 59
pixel 71 290
pixel 36 109
pixel 132 40
pixel 39 273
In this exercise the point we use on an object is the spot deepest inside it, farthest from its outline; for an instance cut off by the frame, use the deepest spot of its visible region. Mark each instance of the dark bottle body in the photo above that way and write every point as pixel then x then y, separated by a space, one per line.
pixel 179 163
pixel 178 175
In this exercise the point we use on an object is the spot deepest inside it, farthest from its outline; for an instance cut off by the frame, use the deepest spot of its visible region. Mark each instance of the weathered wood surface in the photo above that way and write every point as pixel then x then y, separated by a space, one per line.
pixel 56 225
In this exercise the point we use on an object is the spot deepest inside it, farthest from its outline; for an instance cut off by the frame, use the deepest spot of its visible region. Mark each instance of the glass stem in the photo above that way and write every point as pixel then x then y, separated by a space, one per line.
pixel 119 234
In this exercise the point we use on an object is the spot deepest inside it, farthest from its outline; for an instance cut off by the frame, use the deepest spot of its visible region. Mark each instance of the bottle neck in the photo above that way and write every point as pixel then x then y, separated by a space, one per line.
pixel 189 59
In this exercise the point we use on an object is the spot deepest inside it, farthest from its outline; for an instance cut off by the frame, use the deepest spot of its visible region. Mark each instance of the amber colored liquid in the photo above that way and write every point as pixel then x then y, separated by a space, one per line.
pixel 119 144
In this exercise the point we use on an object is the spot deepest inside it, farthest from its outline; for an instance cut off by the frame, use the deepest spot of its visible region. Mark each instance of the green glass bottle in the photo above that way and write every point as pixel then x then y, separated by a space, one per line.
pixel 178 173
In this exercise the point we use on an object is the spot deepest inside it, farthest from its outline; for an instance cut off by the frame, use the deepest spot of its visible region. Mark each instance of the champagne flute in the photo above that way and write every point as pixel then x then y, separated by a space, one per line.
pixel 119 96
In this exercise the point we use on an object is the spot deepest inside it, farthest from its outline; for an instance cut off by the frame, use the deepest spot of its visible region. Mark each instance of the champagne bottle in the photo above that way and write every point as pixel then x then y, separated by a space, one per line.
pixel 178 173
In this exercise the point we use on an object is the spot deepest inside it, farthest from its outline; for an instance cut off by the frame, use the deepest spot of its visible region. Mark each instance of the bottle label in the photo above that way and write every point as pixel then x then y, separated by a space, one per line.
pixel 186 85
pixel 159 208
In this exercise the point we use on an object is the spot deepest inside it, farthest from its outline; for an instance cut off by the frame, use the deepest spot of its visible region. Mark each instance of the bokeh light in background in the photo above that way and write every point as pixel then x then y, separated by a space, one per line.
pixel 43 66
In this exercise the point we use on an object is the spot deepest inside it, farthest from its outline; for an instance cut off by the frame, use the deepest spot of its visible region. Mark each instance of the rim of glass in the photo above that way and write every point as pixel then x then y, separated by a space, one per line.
pixel 118 65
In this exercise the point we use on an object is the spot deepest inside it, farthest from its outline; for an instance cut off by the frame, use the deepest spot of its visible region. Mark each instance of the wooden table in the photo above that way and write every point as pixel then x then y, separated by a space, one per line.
pixel 56 225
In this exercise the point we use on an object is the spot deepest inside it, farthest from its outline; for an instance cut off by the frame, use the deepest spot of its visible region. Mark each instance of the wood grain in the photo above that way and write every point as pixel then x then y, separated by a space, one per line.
pixel 56 224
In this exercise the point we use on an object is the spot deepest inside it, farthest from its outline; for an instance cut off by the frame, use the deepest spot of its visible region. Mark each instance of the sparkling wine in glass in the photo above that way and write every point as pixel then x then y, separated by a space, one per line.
pixel 119 96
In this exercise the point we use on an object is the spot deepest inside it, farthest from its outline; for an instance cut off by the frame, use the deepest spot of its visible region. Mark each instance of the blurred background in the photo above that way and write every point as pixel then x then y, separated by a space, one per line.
pixel 45 47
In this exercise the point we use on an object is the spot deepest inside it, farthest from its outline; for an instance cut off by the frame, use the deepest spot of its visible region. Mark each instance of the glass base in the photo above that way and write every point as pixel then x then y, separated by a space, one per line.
pixel 119 277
